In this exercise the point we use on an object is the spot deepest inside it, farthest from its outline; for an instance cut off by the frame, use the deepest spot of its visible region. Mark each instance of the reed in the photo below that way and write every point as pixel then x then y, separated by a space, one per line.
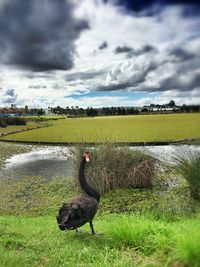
pixel 189 168
pixel 112 167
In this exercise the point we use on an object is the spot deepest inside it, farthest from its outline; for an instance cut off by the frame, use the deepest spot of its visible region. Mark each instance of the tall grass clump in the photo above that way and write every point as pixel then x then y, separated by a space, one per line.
pixel 113 168
pixel 144 233
pixel 187 249
pixel 189 168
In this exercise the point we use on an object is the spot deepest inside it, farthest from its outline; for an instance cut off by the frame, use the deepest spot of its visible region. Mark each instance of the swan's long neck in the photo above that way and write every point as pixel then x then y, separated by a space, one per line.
pixel 84 185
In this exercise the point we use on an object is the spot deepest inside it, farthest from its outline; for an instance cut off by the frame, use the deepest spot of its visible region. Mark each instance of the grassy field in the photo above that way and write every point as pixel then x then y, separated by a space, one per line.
pixel 13 128
pixel 137 240
pixel 120 128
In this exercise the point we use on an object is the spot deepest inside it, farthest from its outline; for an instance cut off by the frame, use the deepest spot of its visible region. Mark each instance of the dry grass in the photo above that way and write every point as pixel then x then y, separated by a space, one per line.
pixel 113 168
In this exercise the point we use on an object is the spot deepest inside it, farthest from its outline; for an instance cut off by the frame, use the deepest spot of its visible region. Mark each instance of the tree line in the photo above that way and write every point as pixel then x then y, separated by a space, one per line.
pixel 76 111
pixel 90 111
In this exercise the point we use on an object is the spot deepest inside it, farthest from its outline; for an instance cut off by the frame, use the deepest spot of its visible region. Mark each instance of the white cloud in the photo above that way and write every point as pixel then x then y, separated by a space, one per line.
pixel 167 69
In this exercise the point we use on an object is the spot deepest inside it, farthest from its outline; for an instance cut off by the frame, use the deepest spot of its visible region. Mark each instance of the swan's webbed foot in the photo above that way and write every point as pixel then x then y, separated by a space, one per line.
pixel 92 230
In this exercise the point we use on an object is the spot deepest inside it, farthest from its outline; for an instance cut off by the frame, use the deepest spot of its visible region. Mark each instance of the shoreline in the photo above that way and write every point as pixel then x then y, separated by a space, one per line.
pixel 188 141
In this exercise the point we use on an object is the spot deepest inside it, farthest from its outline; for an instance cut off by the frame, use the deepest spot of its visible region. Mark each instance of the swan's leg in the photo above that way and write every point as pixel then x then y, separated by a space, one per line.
pixel 92 228
pixel 76 230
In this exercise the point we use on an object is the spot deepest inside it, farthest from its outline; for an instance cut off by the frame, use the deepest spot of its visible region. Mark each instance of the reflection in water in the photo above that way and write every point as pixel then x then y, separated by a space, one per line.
pixel 47 162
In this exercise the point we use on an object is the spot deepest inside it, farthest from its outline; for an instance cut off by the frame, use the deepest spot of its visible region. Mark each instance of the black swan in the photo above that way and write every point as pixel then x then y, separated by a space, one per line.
pixel 81 209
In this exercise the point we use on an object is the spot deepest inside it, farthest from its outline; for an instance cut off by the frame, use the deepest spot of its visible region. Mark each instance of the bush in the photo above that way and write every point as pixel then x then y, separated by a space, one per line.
pixel 12 121
pixel 189 168
pixel 3 123
pixel 113 167
pixel 15 121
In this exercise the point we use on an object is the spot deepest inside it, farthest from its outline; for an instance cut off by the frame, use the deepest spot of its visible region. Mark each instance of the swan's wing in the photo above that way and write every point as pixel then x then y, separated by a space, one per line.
pixel 78 212
pixel 82 210
pixel 63 212
pixel 77 216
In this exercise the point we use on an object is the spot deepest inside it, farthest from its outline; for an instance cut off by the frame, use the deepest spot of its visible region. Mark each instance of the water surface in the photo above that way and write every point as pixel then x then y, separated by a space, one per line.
pixel 45 161
pixel 56 161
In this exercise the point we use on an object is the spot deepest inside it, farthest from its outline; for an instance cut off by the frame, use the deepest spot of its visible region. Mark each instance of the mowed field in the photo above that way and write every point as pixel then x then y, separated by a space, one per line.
pixel 140 128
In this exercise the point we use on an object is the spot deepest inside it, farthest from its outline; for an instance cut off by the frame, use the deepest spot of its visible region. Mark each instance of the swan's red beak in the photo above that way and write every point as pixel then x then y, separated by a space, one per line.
pixel 87 156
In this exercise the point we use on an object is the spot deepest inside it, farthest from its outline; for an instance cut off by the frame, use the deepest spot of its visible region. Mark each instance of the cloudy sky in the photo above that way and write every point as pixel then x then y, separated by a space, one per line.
pixel 99 52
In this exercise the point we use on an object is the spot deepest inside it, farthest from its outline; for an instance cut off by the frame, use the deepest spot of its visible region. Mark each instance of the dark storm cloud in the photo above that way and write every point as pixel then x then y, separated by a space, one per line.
pixel 9 96
pixel 117 82
pixel 144 49
pixel 136 5
pixel 38 34
pixel 141 5
pixel 10 92
pixel 46 75
pixel 171 83
pixel 122 49
pixel 178 83
pixel 183 2
pixel 132 51
pixel 190 65
pixel 181 54
pixel 176 69
pixel 104 45
pixel 114 87
pixel 37 86
pixel 88 75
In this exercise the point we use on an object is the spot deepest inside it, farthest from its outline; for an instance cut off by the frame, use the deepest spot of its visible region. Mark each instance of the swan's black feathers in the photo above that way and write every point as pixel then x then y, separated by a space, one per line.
pixel 79 211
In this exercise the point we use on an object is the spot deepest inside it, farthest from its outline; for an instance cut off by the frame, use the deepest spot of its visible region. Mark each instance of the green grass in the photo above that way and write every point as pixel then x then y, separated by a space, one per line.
pixel 13 128
pixel 130 240
pixel 34 196
pixel 141 227
pixel 188 245
pixel 189 168
pixel 119 128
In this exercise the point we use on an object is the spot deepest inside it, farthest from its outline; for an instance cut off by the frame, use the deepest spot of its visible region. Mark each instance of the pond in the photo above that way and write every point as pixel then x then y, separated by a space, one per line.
pixel 45 161
pixel 56 161
pixel 167 153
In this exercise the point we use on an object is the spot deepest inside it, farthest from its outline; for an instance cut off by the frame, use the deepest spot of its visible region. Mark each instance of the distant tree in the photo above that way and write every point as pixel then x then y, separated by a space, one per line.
pixel 40 112
pixel 144 109
pixel 172 104
pixel 91 112
pixel 123 111
pixel 13 106
pixel 119 112
pixel 26 110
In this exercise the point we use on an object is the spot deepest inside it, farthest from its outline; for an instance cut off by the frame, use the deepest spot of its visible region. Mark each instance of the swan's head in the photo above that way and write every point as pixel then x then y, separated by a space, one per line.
pixel 86 155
